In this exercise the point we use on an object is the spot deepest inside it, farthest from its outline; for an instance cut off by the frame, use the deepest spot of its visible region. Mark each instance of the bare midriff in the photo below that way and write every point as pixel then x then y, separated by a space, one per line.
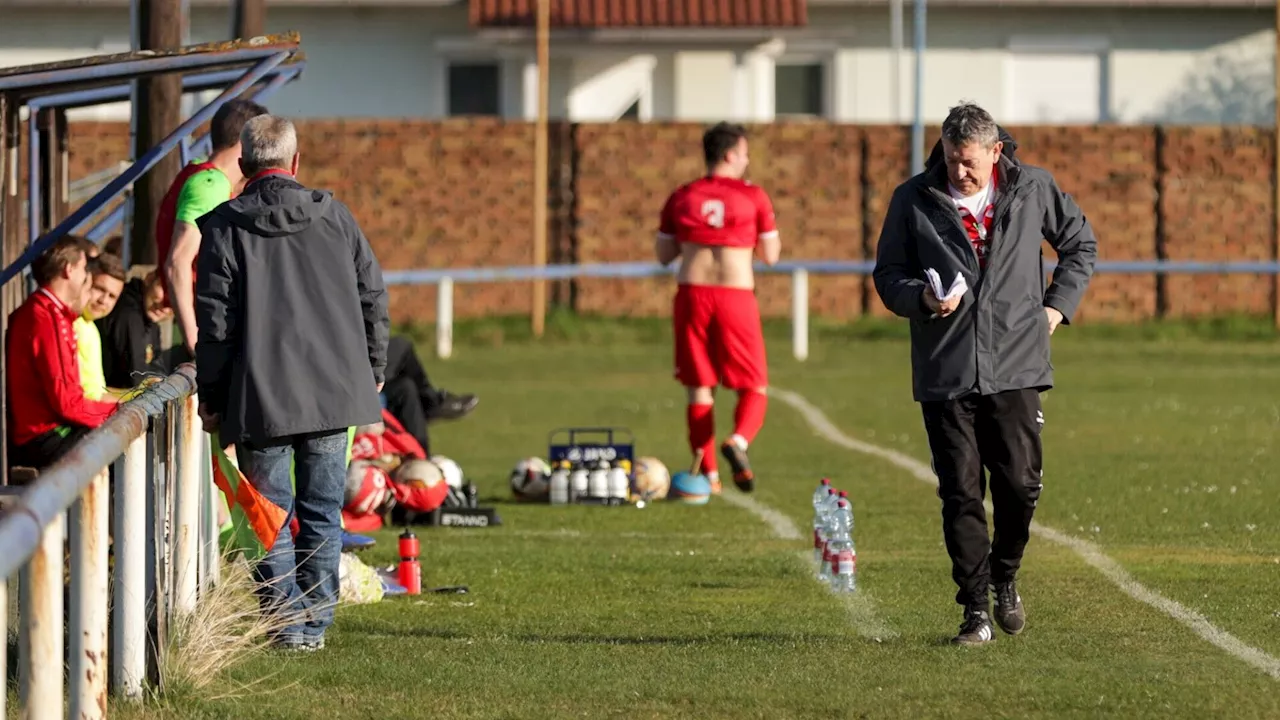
pixel 717 266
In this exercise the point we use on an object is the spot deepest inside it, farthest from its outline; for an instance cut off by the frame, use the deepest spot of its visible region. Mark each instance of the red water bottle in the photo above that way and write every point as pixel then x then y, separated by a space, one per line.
pixel 410 572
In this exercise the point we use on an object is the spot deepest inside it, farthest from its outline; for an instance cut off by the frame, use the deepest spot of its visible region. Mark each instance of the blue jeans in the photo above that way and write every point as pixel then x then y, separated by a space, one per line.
pixel 299 581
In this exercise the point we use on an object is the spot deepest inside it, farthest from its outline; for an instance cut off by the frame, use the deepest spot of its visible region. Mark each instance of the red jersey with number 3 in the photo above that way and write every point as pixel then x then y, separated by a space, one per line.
pixel 718 211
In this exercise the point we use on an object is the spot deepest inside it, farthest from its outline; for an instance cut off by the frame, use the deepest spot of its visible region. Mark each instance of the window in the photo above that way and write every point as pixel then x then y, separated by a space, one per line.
pixel 1056 80
pixel 799 89
pixel 474 89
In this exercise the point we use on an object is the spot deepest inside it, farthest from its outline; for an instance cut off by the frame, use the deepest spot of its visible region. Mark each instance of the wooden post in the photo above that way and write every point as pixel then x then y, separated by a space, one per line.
pixel 248 18
pixel 1275 254
pixel 540 168
pixel 161 26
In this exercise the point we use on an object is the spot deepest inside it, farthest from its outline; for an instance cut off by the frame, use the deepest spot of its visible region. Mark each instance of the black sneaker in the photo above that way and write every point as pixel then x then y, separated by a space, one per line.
pixel 975 630
pixel 452 407
pixel 1010 615
pixel 295 644
pixel 737 458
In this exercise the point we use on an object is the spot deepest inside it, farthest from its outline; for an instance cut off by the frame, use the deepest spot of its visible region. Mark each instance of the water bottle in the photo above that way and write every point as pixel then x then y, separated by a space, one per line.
pixel 844 495
pixel 598 481
pixel 578 483
pixel 560 484
pixel 409 572
pixel 620 482
pixel 829 508
pixel 844 558
pixel 818 496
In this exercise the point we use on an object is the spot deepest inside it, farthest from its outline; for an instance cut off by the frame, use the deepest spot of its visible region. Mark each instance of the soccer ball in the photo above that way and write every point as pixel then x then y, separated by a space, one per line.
pixel 452 471
pixel 418 474
pixel 368 490
pixel 531 479
pixel 651 481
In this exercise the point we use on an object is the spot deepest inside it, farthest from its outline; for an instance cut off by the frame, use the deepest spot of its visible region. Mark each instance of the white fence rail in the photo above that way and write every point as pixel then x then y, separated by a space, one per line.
pixel 799 271
pixel 164 541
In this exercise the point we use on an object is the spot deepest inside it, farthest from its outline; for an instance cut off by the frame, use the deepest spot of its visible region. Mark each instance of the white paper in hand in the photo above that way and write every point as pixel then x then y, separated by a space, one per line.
pixel 958 286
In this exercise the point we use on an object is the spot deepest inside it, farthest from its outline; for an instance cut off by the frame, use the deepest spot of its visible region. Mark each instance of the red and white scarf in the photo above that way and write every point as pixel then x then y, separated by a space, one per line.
pixel 979 230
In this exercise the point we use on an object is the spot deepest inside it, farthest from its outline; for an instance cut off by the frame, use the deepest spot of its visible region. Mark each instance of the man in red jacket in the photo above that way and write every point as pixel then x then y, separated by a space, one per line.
pixel 49 412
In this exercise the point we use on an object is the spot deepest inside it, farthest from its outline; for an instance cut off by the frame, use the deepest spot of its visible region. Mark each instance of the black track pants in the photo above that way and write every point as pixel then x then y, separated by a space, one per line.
pixel 1000 432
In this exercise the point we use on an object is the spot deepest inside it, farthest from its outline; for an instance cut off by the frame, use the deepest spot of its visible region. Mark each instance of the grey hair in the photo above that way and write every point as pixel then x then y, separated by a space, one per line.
pixel 968 123
pixel 267 142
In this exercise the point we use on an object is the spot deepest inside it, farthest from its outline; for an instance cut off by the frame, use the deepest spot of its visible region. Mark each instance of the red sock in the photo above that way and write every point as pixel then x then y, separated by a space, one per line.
pixel 702 434
pixel 748 417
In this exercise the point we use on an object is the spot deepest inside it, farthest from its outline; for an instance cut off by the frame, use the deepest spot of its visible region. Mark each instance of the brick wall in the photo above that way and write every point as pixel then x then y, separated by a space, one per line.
pixel 457 194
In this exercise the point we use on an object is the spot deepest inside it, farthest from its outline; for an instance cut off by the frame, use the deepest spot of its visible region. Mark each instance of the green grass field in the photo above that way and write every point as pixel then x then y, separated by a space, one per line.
pixel 1160 449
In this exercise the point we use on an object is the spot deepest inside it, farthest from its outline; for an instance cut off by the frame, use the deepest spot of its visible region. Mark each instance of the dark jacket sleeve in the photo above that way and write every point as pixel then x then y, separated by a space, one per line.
pixel 1071 236
pixel 373 297
pixel 899 279
pixel 124 347
pixel 217 312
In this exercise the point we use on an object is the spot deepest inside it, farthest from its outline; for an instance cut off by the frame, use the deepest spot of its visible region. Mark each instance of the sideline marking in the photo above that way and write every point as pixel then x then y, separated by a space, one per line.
pixel 1088 551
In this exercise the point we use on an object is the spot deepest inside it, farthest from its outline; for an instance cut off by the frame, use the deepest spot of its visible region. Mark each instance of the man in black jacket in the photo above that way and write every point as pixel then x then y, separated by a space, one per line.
pixel 291 352
pixel 980 358
pixel 131 334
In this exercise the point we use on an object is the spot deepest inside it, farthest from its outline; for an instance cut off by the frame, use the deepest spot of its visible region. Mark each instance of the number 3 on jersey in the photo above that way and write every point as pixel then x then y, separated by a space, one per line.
pixel 713 213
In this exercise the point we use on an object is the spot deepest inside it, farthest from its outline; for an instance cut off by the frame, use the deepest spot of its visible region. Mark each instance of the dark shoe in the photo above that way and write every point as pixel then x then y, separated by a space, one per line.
pixel 975 630
pixel 299 644
pixel 452 407
pixel 1010 615
pixel 741 466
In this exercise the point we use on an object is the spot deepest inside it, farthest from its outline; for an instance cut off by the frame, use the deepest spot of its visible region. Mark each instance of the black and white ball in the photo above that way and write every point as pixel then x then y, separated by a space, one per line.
pixel 531 479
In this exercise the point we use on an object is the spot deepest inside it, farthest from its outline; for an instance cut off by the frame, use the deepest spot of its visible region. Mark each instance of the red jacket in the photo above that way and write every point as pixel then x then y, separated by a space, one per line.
pixel 44 372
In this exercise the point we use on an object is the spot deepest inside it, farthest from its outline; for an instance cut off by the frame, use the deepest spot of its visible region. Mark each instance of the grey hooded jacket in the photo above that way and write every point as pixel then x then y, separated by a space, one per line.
pixel 998 339
pixel 292 314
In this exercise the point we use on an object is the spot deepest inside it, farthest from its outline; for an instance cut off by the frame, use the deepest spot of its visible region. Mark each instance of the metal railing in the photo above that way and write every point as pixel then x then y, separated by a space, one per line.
pixel 162 537
pixel 444 278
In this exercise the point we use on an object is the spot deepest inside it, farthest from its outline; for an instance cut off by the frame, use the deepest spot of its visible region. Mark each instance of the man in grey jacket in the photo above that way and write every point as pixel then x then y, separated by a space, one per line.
pixel 291 352
pixel 980 358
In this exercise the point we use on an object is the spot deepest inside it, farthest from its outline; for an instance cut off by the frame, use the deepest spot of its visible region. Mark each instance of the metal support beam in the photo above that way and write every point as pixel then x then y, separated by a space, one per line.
pixel 144 163
pixel 917 123
pixel 94 71
pixel 199 147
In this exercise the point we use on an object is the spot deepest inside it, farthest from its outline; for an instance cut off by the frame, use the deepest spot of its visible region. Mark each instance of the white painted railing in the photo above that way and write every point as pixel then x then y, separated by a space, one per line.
pixel 164 547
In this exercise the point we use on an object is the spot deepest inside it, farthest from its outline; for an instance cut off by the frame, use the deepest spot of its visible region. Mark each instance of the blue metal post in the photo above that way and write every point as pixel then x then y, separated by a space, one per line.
pixel 33 176
pixel 917 123
pixel 144 163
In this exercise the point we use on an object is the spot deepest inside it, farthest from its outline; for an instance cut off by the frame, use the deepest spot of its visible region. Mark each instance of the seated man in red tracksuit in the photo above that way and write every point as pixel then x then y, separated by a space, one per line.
pixel 49 412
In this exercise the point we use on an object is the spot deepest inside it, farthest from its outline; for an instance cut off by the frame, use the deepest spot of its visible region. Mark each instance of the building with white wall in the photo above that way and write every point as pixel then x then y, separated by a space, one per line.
pixel 1047 61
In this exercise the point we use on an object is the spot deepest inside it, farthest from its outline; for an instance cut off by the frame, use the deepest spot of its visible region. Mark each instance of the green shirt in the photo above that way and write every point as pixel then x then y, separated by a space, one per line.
pixel 201 193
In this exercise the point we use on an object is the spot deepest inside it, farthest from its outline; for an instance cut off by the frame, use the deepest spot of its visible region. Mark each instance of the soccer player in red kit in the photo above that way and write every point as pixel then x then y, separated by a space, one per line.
pixel 716 225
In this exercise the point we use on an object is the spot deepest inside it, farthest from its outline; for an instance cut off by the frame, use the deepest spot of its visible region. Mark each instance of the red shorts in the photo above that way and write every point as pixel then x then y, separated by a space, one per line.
pixel 718 338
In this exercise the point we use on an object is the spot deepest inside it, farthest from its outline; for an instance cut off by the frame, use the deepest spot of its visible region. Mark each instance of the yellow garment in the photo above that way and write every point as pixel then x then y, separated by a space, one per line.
pixel 89 349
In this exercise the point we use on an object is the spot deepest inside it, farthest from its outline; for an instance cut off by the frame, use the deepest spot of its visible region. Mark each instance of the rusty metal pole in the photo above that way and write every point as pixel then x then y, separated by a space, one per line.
pixel 41 653
pixel 187 508
pixel 129 603
pixel 89 596
pixel 540 167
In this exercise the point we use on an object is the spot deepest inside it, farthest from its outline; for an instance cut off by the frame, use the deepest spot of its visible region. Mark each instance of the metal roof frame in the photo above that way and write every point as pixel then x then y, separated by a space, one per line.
pixel 237 67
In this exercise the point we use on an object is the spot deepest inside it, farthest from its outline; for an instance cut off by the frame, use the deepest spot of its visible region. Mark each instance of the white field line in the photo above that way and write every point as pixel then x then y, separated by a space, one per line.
pixel 1088 551
pixel 859 606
